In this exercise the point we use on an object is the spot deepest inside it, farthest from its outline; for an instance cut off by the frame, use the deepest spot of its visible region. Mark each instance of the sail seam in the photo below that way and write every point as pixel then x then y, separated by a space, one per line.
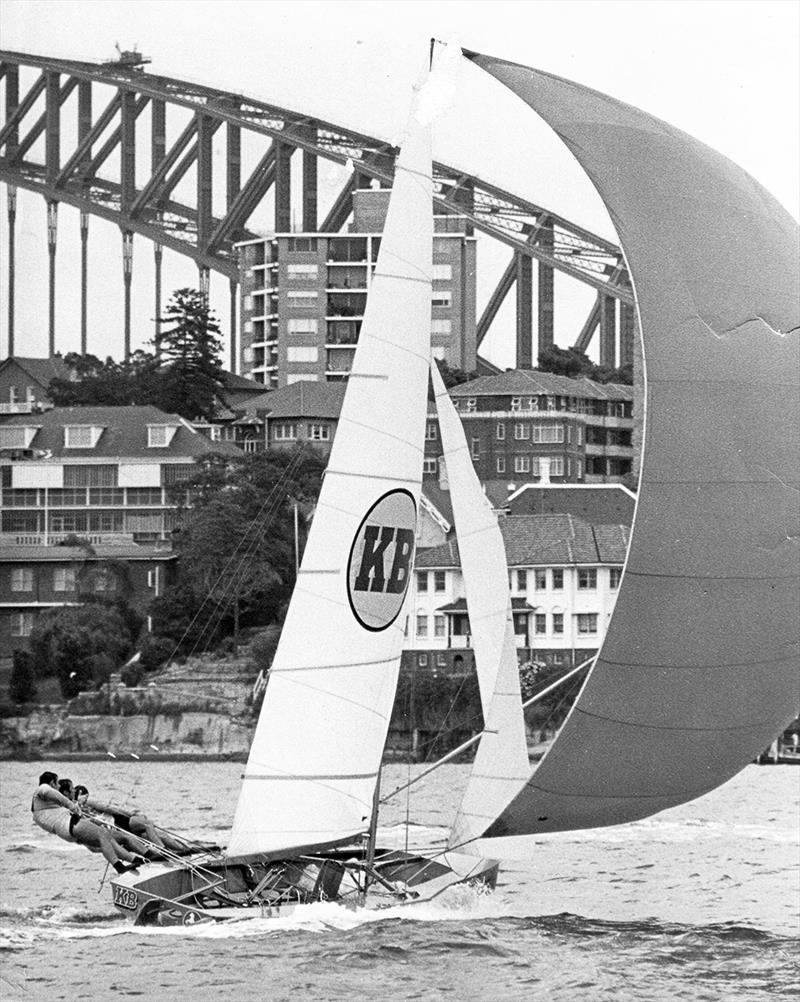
pixel 333 695
pixel 662 727
pixel 703 667
pixel 343 664
pixel 311 777
pixel 714 577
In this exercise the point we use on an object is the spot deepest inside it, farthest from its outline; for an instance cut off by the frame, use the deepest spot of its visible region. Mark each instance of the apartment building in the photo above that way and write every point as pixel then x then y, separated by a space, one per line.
pixel 514 420
pixel 103 473
pixel 304 295
pixel 564 576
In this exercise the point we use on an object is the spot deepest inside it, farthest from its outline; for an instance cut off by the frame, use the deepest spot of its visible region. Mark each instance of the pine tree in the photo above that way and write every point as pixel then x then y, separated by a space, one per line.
pixel 188 347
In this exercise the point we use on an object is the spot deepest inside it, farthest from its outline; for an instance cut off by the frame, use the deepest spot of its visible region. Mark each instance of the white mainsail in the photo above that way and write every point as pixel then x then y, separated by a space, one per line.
pixel 699 669
pixel 317 748
pixel 501 762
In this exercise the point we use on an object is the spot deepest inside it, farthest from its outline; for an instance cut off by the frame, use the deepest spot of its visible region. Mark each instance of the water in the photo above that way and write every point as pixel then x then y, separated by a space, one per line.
pixel 699 903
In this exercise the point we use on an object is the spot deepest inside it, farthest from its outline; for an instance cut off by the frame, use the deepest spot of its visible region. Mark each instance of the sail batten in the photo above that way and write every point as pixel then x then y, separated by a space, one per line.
pixel 699 668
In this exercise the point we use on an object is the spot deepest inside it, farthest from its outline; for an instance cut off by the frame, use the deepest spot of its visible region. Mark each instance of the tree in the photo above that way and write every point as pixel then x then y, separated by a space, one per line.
pixel 576 364
pixel 22 684
pixel 107 384
pixel 453 376
pixel 236 544
pixel 65 642
pixel 188 347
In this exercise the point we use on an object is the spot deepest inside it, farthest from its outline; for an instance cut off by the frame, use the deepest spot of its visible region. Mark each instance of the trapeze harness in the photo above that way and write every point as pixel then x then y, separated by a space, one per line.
pixel 52 817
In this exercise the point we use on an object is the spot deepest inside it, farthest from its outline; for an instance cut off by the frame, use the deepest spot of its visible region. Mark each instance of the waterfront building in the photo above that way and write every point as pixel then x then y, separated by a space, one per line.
pixel 514 420
pixel 34 579
pixel 304 294
pixel 103 473
pixel 564 575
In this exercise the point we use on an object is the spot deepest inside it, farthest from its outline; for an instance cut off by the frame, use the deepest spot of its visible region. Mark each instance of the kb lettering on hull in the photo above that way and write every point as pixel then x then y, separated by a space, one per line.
pixel 380 562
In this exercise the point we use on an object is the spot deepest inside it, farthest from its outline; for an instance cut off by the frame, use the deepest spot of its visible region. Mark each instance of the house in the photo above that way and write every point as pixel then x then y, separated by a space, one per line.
pixel 24 383
pixel 564 576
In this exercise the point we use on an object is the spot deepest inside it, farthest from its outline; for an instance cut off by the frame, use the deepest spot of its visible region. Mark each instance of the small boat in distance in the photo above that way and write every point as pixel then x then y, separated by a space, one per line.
pixel 698 671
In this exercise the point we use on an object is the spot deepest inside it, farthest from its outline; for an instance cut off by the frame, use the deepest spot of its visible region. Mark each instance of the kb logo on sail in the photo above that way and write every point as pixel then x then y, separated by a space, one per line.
pixel 380 560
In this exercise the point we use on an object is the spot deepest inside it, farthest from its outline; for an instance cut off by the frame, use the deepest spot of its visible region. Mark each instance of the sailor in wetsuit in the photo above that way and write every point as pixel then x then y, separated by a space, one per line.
pixel 59 815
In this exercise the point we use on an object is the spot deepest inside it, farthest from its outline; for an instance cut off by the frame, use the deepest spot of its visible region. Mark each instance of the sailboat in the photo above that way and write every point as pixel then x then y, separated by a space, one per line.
pixel 698 671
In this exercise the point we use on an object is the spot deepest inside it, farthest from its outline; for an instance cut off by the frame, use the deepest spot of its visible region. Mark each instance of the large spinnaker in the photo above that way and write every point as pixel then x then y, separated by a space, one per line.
pixel 501 762
pixel 317 748
pixel 699 669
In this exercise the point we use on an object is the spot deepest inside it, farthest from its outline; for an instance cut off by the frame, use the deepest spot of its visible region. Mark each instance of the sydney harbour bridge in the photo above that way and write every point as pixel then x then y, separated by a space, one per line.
pixel 95 136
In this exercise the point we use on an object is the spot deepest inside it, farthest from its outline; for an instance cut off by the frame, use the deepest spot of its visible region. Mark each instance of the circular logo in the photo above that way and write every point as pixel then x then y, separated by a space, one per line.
pixel 380 562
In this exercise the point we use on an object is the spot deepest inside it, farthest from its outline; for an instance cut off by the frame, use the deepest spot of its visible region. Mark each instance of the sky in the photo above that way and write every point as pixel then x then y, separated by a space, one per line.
pixel 724 71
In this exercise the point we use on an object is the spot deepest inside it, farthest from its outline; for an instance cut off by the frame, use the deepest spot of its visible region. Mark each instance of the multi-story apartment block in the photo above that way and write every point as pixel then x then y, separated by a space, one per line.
pixel 514 420
pixel 103 473
pixel 24 383
pixel 304 295
pixel 34 579
pixel 564 576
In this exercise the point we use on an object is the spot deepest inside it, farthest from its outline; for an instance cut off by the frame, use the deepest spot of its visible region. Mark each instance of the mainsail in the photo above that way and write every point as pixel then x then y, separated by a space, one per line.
pixel 501 762
pixel 699 669
pixel 317 748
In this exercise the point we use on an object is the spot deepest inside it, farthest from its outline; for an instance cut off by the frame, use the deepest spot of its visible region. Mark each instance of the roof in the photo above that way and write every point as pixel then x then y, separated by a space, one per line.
pixel 594 503
pixel 240 384
pixel 299 400
pixel 69 554
pixel 532 540
pixel 41 370
pixel 460 605
pixel 439 498
pixel 124 433
pixel 518 382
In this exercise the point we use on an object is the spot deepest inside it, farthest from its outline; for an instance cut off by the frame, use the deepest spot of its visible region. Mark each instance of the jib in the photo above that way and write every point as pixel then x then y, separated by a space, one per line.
pixel 371 575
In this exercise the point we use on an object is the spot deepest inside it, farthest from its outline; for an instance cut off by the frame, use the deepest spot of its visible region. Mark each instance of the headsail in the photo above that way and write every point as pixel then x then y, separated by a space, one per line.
pixel 317 748
pixel 699 669
pixel 501 762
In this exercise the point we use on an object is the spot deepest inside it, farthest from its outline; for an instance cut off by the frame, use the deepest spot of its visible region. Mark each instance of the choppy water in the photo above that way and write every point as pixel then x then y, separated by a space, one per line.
pixel 699 903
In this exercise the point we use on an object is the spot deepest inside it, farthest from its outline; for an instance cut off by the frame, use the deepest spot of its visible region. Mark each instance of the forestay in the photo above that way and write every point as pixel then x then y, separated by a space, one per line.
pixel 501 762
pixel 699 668
pixel 316 752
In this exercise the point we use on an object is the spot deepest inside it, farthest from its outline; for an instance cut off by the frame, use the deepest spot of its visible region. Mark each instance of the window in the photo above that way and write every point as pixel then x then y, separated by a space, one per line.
pixel 522 464
pixel 159 436
pixel 540 578
pixel 304 298
pixel 422 625
pixel 501 464
pixel 301 353
pixel 81 436
pixel 548 432
pixel 579 433
pixel 319 432
pixel 540 623
pixel 21 624
pixel 22 579
pixel 558 622
pixel 114 495
pixel 556 466
pixel 16 437
pixel 284 432
pixel 614 577
pixel 438 626
pixel 175 473
pixel 422 660
pixel 516 403
pixel 63 579
pixel 301 325
pixel 441 660
pixel 475 448
pixel 522 430
pixel 431 432
pixel 422 580
pixel 558 578
pixel 579 469
pixel 439 580
pixel 442 297
pixel 522 580
pixel 429 464
pixel 587 578
pixel 470 405
pixel 441 326
pixel 250 445
pixel 587 622
pixel 500 431
pixel 301 244
pixel 442 272
pixel 301 272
